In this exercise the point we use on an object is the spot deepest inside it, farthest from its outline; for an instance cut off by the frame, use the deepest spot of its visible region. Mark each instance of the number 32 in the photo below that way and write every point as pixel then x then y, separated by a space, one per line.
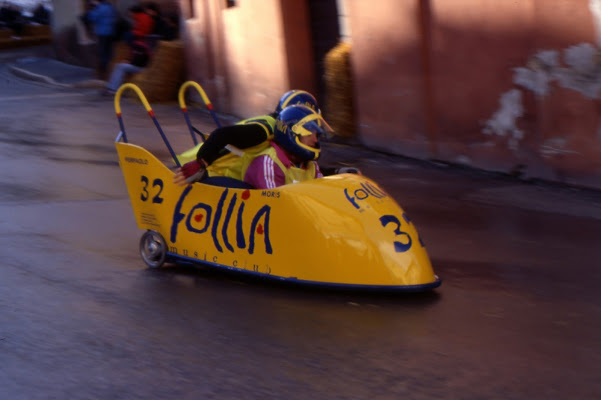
pixel 156 183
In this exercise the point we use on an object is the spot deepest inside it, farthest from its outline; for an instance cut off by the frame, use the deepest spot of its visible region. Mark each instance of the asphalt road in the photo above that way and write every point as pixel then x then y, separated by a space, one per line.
pixel 518 315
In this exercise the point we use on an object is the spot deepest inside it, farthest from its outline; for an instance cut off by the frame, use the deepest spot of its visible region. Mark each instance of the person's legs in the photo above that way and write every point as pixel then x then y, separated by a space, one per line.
pixel 101 68
pixel 119 73
pixel 105 54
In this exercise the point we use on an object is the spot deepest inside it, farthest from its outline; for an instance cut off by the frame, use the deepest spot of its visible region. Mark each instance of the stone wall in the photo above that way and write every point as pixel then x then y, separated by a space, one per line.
pixel 505 86
pixel 508 86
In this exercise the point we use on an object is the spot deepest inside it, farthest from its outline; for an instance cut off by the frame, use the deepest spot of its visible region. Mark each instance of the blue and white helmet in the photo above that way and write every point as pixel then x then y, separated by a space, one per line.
pixel 297 97
pixel 296 121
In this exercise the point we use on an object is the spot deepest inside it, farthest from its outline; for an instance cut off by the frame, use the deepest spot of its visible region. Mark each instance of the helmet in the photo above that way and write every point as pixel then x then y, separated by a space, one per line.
pixel 297 97
pixel 296 121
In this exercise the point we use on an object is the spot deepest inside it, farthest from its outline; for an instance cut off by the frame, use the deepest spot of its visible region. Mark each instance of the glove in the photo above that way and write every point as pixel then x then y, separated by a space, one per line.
pixel 193 171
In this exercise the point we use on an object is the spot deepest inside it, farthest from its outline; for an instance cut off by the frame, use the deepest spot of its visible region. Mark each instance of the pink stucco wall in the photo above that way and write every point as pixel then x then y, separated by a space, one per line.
pixel 247 56
pixel 387 66
pixel 429 76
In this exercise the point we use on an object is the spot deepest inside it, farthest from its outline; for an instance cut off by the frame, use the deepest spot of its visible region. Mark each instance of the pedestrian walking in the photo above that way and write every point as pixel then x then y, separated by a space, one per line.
pixel 103 16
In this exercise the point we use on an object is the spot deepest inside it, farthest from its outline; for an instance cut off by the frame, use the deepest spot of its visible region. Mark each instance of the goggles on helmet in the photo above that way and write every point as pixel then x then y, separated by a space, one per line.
pixel 313 124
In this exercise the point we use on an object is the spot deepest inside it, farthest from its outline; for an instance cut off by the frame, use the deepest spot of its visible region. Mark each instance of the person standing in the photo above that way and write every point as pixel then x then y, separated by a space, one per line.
pixel 104 18
pixel 139 58
pixel 141 26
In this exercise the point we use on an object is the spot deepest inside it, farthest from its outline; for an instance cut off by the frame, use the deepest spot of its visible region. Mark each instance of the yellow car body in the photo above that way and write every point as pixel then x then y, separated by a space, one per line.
pixel 341 230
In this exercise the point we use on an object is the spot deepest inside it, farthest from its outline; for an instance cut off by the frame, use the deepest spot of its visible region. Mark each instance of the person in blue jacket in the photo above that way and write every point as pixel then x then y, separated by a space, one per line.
pixel 103 16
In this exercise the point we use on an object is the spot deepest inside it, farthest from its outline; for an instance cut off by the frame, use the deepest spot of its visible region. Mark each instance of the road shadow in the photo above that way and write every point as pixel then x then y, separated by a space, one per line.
pixel 208 277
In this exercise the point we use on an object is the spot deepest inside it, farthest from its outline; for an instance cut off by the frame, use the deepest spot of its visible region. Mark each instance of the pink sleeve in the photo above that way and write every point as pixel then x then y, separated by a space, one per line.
pixel 318 173
pixel 263 173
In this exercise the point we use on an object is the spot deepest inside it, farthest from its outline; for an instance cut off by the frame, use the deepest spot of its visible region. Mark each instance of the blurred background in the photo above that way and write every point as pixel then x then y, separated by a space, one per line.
pixel 511 87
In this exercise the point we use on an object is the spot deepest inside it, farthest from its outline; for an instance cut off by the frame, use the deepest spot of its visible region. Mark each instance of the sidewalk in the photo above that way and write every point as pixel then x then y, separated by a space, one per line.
pixel 47 70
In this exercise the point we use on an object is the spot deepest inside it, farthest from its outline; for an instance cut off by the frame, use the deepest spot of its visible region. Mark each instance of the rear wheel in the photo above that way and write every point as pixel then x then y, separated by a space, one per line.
pixel 153 249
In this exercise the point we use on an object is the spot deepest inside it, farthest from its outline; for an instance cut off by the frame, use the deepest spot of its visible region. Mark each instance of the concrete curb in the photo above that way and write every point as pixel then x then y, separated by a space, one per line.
pixel 34 77
pixel 93 83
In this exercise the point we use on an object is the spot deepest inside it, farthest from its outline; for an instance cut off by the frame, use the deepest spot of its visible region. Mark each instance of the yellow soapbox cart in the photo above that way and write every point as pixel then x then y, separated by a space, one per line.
pixel 340 231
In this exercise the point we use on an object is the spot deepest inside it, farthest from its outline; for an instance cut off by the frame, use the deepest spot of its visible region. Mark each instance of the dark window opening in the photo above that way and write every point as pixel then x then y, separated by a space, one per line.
pixel 325 31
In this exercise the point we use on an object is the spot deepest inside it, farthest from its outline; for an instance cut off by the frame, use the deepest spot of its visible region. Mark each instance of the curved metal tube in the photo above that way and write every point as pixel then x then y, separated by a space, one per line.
pixel 205 99
pixel 144 101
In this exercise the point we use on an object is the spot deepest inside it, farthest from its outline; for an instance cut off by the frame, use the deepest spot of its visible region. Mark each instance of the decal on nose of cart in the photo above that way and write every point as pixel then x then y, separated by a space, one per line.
pixel 201 216
pixel 360 199
pixel 366 191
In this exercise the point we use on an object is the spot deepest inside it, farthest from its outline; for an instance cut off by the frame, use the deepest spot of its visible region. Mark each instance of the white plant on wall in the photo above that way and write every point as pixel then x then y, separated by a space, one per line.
pixel 584 70
pixel 538 73
pixel 581 73
pixel 503 121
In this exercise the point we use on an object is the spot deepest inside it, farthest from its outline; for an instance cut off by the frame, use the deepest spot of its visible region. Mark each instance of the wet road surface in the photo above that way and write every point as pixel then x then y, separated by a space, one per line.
pixel 518 315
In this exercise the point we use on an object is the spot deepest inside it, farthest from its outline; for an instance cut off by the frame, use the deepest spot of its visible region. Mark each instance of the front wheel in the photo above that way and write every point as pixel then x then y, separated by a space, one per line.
pixel 153 249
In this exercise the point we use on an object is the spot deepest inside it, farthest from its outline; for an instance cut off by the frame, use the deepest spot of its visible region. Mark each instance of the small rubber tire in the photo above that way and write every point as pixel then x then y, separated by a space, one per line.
pixel 153 249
